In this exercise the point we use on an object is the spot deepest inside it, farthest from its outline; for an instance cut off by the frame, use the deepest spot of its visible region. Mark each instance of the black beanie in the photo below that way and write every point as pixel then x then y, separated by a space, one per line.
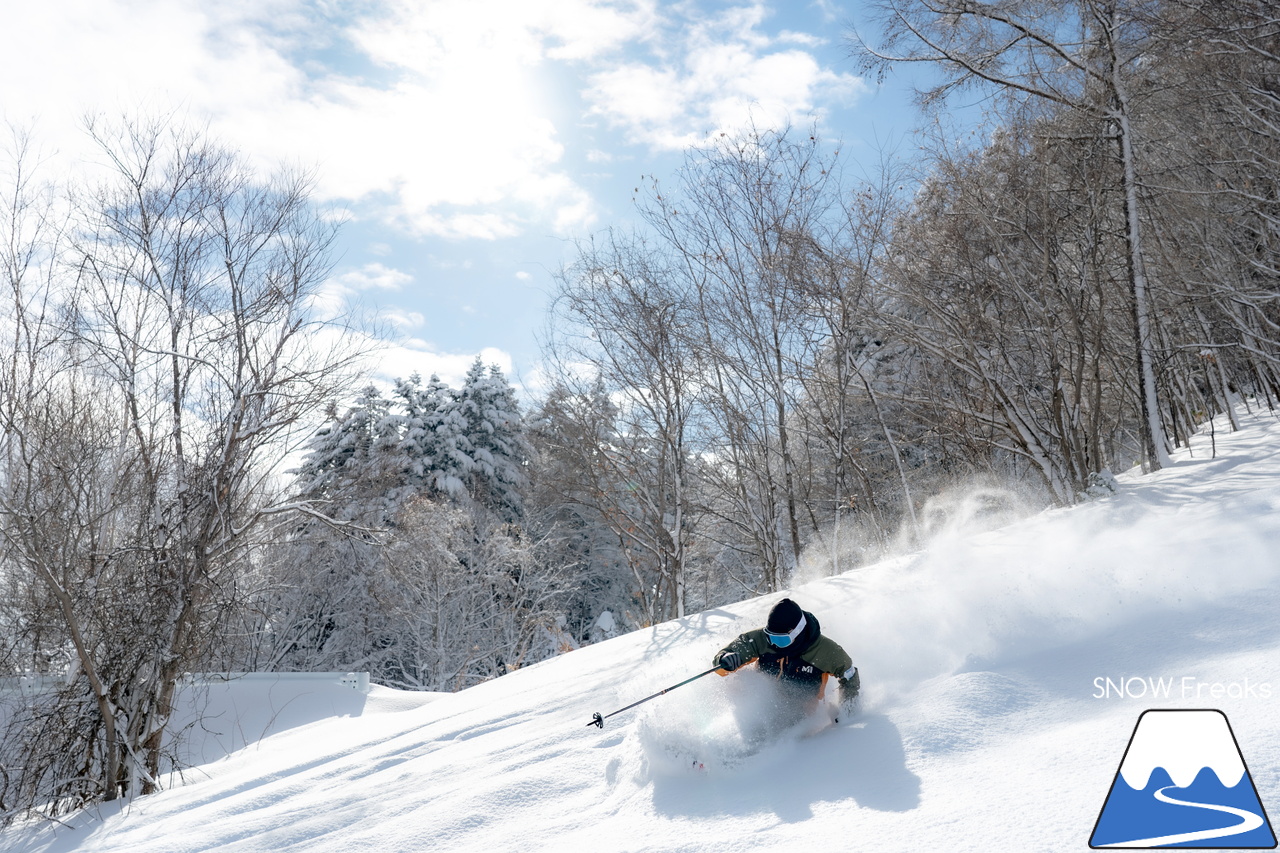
pixel 784 617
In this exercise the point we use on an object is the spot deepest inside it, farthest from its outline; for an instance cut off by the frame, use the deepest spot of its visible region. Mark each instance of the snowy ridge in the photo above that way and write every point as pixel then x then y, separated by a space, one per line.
pixel 1183 744
pixel 979 729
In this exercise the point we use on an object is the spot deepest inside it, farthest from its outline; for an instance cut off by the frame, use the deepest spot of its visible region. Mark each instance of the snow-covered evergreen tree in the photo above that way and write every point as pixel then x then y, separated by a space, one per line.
pixel 494 439
pixel 466 445
pixel 350 471
pixel 451 474
pixel 422 446
pixel 423 485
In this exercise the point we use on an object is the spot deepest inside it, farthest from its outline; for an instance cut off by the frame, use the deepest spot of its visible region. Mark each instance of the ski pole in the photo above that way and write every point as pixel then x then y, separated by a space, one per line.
pixel 598 721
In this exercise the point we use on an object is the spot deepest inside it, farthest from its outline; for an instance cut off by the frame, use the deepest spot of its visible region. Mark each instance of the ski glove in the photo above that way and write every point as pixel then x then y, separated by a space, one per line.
pixel 728 661
pixel 850 683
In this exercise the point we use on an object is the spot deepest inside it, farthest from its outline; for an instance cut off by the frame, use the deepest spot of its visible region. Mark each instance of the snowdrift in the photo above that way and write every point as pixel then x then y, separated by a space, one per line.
pixel 1003 673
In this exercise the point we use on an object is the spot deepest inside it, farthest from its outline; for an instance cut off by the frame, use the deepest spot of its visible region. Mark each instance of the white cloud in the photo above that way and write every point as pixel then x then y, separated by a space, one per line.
pixel 719 74
pixel 386 360
pixel 436 111
pixel 59 61
pixel 468 123
pixel 412 355
pixel 829 9
pixel 428 37
pixel 446 118
pixel 402 319
pixel 805 39
pixel 375 276
pixel 468 155
pixel 338 296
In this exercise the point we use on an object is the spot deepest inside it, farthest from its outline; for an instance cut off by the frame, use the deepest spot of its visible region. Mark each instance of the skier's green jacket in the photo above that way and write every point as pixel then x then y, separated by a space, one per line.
pixel 809 661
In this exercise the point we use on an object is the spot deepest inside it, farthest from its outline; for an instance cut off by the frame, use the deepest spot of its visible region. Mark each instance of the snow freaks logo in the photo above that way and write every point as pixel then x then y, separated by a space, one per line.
pixel 1187 687
pixel 1183 783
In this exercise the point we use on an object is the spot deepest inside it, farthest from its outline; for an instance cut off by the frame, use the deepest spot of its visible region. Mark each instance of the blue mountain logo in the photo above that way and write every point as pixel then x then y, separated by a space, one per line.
pixel 1183 783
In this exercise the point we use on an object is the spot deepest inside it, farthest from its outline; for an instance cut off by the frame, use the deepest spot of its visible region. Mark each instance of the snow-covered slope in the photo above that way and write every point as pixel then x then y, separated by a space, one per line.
pixel 993 667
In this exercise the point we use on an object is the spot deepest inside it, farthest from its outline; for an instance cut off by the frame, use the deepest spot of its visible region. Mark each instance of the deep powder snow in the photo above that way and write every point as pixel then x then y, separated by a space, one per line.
pixel 987 722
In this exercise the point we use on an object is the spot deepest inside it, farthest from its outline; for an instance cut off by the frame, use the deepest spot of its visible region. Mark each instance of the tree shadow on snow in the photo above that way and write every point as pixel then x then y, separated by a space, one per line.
pixel 668 639
pixel 863 760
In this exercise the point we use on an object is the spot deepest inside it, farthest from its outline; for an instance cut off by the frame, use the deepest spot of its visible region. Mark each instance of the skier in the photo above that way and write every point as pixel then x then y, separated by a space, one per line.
pixel 792 648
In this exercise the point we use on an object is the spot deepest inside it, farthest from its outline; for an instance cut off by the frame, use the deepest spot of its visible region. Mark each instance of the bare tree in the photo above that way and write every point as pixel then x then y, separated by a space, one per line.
pixel 741 224
pixel 629 318
pixel 1081 55
pixel 1219 120
pixel 717 329
pixel 180 364
pixel 840 372
pixel 999 280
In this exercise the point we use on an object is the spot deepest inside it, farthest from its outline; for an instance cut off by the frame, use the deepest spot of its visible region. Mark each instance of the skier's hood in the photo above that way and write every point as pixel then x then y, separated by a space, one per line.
pixel 811 633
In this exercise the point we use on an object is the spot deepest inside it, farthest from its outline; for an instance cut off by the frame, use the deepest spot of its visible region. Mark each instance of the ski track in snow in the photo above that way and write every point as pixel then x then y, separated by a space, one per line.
pixel 978 730
pixel 1248 822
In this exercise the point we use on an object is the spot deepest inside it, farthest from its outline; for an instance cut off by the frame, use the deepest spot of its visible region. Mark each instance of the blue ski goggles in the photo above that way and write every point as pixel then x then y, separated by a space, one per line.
pixel 781 641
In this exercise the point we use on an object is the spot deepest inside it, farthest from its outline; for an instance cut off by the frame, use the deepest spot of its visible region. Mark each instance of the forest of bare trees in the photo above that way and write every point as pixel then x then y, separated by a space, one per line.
pixel 771 375
pixel 159 351
pixel 801 360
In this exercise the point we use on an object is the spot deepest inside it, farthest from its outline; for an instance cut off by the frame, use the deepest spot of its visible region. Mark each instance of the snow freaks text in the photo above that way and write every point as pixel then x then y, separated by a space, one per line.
pixel 1185 687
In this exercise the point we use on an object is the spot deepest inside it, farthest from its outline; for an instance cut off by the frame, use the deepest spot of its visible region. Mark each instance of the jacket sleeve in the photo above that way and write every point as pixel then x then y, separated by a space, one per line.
pixel 749 646
pixel 836 661
pixel 827 656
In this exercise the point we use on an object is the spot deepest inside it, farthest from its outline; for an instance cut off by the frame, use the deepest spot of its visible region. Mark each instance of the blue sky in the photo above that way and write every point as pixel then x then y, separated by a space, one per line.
pixel 467 143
